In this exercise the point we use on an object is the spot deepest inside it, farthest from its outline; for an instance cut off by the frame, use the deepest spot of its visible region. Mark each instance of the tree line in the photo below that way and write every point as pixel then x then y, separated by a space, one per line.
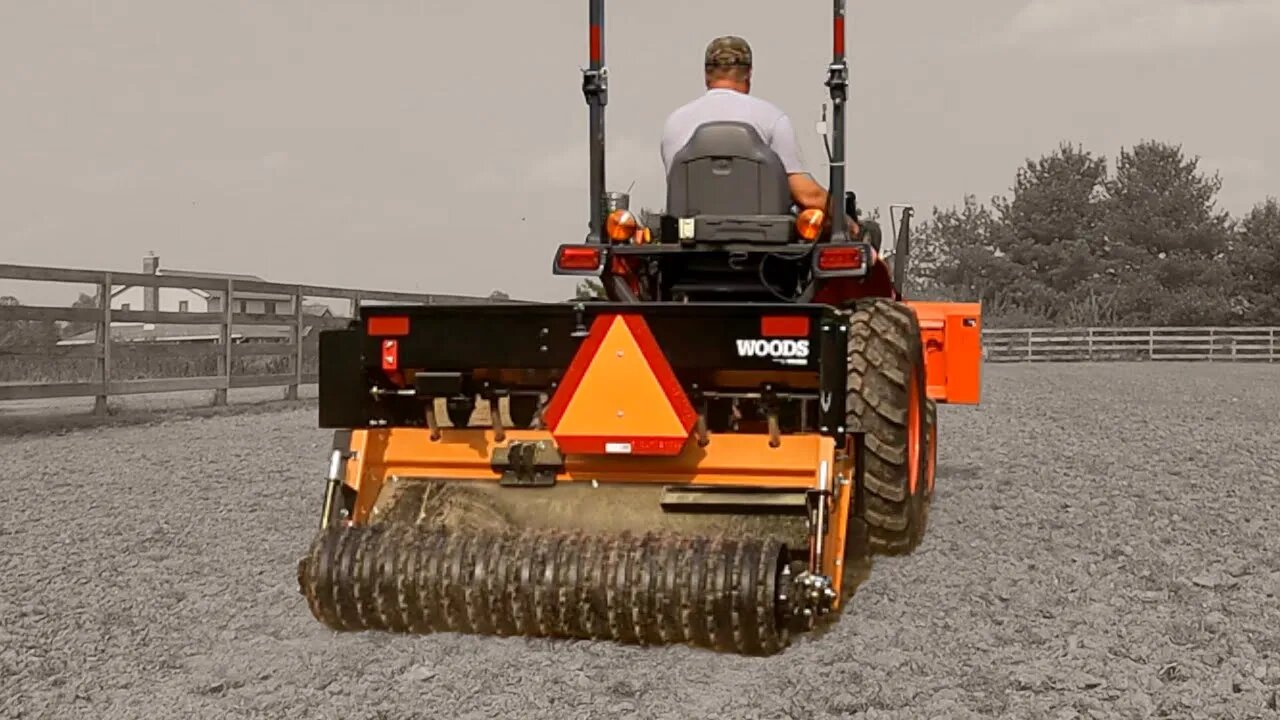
pixel 1078 243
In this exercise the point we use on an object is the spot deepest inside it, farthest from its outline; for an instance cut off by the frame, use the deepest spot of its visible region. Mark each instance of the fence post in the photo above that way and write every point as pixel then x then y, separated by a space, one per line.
pixel 292 392
pixel 1029 345
pixel 224 361
pixel 1271 345
pixel 1212 343
pixel 103 336
pixel 1090 331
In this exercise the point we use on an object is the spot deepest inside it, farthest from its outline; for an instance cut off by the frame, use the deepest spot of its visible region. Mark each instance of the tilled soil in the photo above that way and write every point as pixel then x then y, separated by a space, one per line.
pixel 1103 544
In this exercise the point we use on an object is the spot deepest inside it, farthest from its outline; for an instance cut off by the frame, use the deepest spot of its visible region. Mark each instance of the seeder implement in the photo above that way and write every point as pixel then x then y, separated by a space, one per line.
pixel 710 456
pixel 626 506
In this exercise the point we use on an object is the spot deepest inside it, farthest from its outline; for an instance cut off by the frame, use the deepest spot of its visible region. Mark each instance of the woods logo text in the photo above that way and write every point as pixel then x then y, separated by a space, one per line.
pixel 787 352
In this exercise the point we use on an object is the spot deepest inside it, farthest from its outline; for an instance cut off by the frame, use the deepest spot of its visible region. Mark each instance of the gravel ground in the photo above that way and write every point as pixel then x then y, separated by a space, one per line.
pixel 1099 548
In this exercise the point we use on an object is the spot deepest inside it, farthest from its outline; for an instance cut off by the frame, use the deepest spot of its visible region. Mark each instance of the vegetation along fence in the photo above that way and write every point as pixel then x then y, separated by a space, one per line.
pixel 1213 344
pixel 219 332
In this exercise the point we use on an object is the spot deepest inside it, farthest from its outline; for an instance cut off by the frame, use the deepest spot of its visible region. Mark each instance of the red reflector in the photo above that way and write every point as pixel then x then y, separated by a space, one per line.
pixel 390 354
pixel 385 325
pixel 580 258
pixel 840 258
pixel 784 326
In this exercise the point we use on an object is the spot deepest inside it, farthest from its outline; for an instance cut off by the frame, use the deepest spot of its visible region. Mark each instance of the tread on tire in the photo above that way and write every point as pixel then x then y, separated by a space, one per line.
pixel 886 358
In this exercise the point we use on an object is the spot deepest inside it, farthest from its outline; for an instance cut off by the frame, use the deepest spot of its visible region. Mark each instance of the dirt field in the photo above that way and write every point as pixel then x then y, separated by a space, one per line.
pixel 1103 544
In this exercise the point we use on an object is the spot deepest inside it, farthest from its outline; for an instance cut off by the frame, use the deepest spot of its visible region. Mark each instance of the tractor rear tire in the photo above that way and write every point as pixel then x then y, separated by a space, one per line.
pixel 887 402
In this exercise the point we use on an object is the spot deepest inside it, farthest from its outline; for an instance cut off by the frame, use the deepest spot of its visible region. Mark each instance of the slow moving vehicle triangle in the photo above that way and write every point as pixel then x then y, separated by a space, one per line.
pixel 620 396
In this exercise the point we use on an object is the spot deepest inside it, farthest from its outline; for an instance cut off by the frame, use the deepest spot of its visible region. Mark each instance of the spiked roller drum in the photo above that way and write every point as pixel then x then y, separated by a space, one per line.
pixel 650 589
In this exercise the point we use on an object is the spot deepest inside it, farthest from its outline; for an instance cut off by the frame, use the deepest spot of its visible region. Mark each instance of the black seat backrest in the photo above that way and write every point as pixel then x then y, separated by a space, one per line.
pixel 726 168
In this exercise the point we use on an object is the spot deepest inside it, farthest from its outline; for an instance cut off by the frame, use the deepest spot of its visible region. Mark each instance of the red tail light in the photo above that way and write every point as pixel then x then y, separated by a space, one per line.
pixel 579 258
pixel 840 258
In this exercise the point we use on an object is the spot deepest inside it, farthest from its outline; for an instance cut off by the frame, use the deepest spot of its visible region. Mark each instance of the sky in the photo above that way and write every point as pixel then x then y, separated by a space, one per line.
pixel 436 146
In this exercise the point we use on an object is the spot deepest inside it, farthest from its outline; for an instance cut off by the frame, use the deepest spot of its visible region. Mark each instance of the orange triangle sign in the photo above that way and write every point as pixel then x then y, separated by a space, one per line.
pixel 620 395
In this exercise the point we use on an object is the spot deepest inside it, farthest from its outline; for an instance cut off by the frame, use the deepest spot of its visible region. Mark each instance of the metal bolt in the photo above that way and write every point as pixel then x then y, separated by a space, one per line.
pixel 619 413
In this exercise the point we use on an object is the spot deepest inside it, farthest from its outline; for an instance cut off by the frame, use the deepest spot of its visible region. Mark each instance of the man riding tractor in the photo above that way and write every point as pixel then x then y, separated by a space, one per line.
pixel 727 66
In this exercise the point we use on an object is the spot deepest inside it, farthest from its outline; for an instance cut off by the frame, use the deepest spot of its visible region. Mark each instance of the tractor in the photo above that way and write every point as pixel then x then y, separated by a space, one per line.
pixel 710 454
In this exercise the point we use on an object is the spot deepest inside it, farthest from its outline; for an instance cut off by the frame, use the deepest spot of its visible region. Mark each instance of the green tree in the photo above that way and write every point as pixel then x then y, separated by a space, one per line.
pixel 25 333
pixel 1052 220
pixel 955 255
pixel 590 289
pixel 1253 262
pixel 1166 238
pixel 84 301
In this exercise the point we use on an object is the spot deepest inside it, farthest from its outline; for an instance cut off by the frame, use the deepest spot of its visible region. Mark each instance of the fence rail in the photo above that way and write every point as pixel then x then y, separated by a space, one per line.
pixel 213 350
pixel 213 345
pixel 1212 344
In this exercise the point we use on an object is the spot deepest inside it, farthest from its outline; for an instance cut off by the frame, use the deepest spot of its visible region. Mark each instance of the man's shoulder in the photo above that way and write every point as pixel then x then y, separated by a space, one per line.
pixel 687 109
pixel 716 104
pixel 764 105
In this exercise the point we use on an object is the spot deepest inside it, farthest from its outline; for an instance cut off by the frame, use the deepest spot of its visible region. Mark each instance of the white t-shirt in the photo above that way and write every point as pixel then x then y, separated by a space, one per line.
pixel 722 104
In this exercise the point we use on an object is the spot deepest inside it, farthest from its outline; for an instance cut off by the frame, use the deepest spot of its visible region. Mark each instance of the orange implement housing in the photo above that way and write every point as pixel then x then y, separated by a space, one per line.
pixel 383 459
pixel 952 336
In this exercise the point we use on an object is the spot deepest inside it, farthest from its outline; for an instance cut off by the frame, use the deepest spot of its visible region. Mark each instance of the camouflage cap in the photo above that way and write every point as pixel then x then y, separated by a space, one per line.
pixel 728 51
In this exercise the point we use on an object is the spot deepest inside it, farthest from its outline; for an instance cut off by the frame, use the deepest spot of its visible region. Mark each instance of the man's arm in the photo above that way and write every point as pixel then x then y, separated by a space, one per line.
pixel 805 191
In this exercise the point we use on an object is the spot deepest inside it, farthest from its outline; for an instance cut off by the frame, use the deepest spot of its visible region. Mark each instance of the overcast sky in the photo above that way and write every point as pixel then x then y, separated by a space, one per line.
pixel 419 146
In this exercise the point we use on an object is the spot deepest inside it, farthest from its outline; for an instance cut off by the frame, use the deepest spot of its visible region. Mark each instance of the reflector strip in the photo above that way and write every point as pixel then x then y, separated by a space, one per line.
pixel 390 354
pixel 774 326
pixel 388 326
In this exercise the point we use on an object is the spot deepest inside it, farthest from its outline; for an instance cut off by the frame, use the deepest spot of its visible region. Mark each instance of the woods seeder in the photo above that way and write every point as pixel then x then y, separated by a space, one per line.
pixel 708 456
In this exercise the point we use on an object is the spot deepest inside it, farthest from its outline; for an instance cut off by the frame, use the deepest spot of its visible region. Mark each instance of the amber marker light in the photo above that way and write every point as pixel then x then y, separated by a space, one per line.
pixel 621 225
pixel 810 222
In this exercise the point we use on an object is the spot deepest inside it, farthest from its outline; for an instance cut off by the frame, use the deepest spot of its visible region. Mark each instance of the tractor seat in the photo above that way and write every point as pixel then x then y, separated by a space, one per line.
pixel 726 169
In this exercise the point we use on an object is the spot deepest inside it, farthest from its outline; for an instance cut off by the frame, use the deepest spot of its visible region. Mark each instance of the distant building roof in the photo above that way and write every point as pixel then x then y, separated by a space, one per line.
pixel 211 275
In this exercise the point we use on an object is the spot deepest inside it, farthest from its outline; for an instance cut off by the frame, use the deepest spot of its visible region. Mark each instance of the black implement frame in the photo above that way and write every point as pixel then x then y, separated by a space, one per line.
pixel 715 349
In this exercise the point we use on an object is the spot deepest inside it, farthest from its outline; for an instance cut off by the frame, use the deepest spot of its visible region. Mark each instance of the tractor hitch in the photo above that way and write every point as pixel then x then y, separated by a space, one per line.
pixel 527 464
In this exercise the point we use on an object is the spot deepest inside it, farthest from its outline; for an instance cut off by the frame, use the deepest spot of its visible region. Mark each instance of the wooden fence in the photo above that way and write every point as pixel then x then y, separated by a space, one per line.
pixel 283 360
pixel 1213 344
pixel 217 353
